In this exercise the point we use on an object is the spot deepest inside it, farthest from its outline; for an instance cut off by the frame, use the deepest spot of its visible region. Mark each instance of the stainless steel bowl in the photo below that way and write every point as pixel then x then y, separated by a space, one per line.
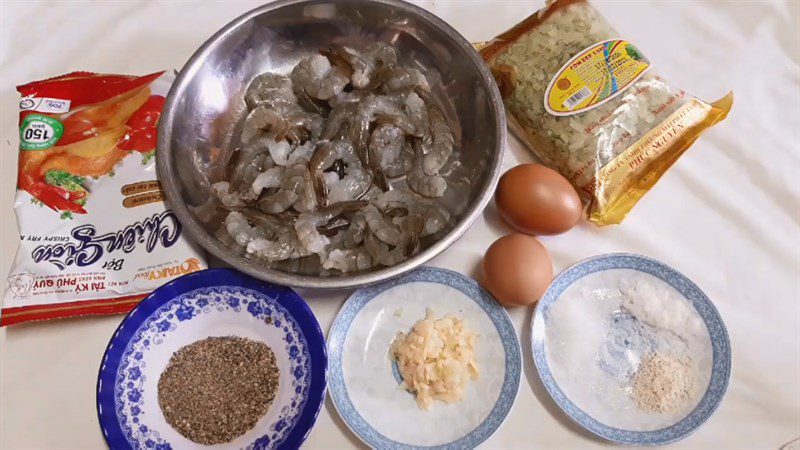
pixel 205 109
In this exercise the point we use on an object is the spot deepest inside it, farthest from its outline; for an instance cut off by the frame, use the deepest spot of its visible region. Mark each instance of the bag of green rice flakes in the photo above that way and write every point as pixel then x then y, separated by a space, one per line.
pixel 586 104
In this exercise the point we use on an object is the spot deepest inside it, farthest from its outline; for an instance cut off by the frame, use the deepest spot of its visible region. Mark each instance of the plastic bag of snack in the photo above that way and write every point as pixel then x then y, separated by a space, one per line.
pixel 95 234
pixel 586 103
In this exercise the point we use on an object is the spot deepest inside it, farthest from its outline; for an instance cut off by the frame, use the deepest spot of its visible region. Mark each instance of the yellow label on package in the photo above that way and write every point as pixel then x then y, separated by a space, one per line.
pixel 594 76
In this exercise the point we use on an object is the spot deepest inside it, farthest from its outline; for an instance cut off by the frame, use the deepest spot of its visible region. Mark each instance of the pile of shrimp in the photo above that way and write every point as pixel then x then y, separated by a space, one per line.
pixel 309 189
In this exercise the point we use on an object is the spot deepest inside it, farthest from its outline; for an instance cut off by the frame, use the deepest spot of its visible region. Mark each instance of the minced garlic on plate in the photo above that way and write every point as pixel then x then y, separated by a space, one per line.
pixel 436 359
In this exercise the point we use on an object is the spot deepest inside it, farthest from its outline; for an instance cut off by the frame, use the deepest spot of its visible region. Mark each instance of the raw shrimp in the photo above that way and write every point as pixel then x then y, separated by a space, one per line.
pixel 250 161
pixel 292 185
pixel 341 116
pixel 315 75
pixel 334 131
pixel 340 53
pixel 307 201
pixel 355 182
pixel 260 119
pixel 284 247
pixel 344 98
pixel 307 223
pixel 332 176
pixel 336 237
pixel 238 227
pixel 301 154
pixel 348 188
pixel 329 152
pixel 400 120
pixel 405 78
pixel 272 223
pixel 241 231
pixel 311 104
pixel 271 178
pixel 279 151
pixel 303 125
pixel 395 199
pixel 435 216
pixel 442 142
pixel 309 264
pixel 412 226
pixel 376 107
pixel 284 121
pixel 386 147
pixel 365 65
pixel 381 226
pixel 372 193
pixel 269 89
pixel 225 196
pixel 420 182
pixel 285 154
pixel 354 234
pixel 348 260
pixel 270 238
pixel 335 227
pixel 287 195
pixel 411 230
pixel 381 253
pixel 417 112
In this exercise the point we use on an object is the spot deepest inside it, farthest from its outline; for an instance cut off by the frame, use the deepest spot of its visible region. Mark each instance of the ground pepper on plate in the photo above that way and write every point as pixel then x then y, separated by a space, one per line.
pixel 216 389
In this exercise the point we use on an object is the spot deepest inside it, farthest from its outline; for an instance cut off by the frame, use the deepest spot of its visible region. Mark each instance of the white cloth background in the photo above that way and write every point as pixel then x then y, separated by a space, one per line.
pixel 727 215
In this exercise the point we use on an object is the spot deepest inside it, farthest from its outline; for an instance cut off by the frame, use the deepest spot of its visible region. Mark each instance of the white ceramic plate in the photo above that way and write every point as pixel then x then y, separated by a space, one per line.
pixel 364 382
pixel 598 321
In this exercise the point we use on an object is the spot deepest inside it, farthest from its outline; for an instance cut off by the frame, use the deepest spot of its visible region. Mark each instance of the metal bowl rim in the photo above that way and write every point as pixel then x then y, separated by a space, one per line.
pixel 174 199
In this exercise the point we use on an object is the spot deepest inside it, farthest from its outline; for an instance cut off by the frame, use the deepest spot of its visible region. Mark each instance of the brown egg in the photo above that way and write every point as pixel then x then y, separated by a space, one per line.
pixel 517 270
pixel 535 199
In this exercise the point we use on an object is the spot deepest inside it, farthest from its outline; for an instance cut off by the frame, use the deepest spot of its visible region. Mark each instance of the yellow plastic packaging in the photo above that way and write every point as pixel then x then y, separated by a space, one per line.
pixel 586 103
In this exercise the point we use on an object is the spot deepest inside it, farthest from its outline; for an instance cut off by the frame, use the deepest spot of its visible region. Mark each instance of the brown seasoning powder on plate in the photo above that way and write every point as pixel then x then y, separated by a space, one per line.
pixel 216 389
pixel 662 383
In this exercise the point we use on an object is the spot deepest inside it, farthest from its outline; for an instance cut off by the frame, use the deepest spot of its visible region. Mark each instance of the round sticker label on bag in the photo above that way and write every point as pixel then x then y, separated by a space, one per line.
pixel 39 132
pixel 594 76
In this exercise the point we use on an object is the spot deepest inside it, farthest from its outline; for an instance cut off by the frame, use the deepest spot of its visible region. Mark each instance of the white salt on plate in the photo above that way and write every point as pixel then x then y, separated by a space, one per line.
pixel 603 325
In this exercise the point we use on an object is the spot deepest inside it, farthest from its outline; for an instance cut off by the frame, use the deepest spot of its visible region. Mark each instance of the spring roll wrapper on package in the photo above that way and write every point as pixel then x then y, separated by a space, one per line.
pixel 585 102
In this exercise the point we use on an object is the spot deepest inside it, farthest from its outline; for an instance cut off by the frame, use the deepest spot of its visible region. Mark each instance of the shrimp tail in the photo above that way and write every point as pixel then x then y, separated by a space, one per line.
pixel 320 189
pixel 414 226
pixel 411 246
pixel 380 179
pixel 377 172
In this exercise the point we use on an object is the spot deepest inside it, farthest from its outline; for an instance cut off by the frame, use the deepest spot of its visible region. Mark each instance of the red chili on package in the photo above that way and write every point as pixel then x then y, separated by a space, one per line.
pixel 86 142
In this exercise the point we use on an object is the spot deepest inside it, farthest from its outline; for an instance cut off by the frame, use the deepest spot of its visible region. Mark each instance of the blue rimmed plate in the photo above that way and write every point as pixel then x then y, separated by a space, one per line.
pixel 217 302
pixel 365 384
pixel 596 324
